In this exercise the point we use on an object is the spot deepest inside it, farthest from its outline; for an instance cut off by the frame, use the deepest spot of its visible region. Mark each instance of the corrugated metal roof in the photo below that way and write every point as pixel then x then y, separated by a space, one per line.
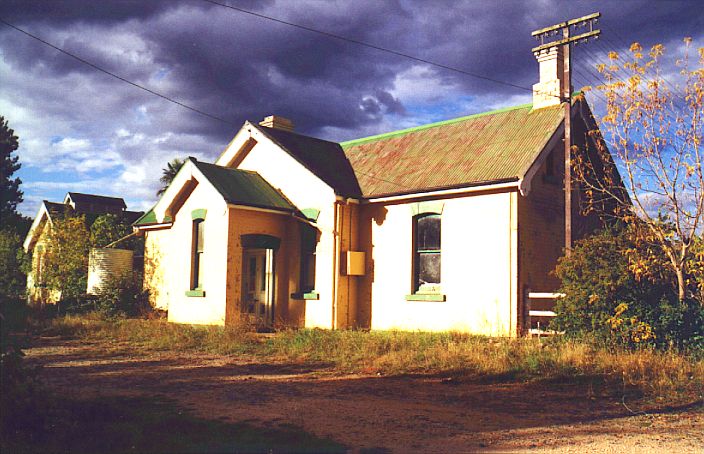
pixel 55 210
pixel 244 187
pixel 147 218
pixel 488 147
pixel 131 216
pixel 238 187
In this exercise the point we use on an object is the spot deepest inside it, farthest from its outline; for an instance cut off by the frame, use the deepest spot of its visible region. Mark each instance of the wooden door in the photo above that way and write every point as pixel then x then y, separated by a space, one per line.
pixel 257 286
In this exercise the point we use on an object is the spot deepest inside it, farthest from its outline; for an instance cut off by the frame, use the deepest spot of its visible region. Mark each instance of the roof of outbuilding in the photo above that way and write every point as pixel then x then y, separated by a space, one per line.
pixel 79 197
pixel 489 147
pixel 324 159
pixel 55 209
pixel 132 216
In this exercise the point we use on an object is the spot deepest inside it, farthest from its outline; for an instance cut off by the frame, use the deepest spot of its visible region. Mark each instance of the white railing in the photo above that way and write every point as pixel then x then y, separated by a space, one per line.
pixel 536 313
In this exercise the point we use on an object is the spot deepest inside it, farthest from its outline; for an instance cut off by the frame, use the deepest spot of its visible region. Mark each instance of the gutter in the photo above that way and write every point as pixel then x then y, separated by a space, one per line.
pixel 489 187
pixel 293 214
pixel 155 226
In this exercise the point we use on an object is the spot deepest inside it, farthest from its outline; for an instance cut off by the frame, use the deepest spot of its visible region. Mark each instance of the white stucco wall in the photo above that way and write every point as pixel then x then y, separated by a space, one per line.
pixel 304 190
pixel 170 249
pixel 478 273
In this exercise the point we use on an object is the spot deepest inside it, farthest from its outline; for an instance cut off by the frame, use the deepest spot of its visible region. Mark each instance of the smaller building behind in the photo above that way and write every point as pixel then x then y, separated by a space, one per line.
pixel 35 243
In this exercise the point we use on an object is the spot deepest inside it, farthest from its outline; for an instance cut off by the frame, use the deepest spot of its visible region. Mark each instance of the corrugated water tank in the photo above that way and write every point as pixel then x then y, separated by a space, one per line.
pixel 106 263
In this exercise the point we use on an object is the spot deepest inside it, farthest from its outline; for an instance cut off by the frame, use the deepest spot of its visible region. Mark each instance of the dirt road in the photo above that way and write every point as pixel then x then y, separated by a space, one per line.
pixel 376 413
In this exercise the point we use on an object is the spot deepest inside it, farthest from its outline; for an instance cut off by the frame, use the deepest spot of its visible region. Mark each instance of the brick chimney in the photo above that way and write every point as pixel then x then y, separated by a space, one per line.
pixel 548 91
pixel 276 122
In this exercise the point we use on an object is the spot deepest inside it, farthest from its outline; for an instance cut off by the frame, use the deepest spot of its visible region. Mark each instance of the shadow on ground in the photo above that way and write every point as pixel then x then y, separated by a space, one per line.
pixel 249 404
pixel 130 424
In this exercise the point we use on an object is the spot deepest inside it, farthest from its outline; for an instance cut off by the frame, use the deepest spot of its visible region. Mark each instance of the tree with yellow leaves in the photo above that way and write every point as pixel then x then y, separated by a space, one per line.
pixel 652 126
pixel 66 258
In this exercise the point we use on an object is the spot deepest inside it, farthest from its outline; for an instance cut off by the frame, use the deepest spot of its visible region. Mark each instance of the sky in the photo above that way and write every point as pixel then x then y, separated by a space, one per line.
pixel 82 130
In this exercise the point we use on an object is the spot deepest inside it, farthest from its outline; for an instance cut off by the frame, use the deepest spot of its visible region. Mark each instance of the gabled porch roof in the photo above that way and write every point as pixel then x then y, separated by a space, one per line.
pixel 236 186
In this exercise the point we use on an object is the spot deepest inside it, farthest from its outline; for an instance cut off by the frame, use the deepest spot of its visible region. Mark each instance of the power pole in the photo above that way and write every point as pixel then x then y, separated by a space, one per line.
pixel 566 95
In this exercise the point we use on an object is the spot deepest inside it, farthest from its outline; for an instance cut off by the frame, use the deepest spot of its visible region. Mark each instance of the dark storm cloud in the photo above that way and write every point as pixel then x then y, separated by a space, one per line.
pixel 238 66
pixel 100 12
pixel 233 65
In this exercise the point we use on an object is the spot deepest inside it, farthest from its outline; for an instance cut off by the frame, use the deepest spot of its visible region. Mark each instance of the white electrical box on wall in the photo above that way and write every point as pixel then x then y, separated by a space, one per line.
pixel 356 263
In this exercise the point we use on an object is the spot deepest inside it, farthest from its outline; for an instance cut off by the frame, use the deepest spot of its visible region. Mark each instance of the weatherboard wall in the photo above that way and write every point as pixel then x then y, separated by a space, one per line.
pixel 542 224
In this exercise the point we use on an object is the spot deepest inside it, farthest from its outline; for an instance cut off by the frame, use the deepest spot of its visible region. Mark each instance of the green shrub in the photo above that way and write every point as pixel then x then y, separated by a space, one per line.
pixel 123 296
pixel 612 302
pixel 119 297
pixel 108 228
pixel 66 257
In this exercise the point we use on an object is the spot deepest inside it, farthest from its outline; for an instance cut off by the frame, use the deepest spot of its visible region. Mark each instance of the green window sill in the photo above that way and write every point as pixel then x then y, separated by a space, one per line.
pixel 196 293
pixel 306 296
pixel 426 297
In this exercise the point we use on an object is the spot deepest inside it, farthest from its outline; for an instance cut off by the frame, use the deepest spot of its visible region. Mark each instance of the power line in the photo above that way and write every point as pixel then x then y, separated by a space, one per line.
pixel 366 44
pixel 604 57
pixel 94 66
pixel 590 82
pixel 103 70
pixel 262 16
pixel 167 98
pixel 629 58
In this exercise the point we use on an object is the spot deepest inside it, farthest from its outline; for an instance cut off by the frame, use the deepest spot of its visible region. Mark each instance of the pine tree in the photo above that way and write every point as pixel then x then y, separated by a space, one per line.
pixel 10 194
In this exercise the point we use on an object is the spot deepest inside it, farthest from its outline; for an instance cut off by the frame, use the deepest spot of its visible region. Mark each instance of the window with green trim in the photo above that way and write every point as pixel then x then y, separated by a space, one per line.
pixel 197 253
pixel 427 253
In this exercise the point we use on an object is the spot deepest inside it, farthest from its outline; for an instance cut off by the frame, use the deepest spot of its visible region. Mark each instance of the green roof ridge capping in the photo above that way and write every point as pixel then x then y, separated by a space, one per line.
pixel 400 132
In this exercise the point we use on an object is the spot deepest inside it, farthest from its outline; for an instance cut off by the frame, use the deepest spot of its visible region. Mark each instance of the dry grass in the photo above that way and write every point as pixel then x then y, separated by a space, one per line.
pixel 652 372
pixel 393 352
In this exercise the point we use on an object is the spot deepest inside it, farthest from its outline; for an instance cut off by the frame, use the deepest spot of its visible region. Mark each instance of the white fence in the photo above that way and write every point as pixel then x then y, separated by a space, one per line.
pixel 540 315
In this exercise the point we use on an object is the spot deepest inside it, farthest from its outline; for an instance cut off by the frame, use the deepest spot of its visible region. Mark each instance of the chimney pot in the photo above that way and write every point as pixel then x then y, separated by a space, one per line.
pixel 277 122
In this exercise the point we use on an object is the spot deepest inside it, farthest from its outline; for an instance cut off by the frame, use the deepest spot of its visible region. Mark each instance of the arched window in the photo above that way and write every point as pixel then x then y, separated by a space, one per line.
pixel 426 250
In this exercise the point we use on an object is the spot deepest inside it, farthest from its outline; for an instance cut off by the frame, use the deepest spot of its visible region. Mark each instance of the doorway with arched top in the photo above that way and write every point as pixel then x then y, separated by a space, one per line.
pixel 259 279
